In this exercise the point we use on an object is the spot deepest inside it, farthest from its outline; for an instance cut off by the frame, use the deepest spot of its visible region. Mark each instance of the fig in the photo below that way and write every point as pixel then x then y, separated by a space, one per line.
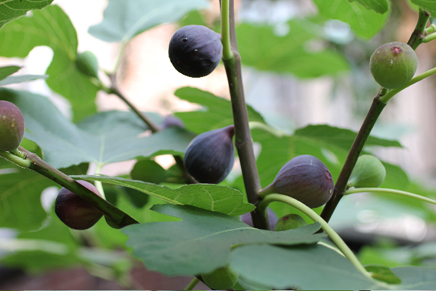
pixel 195 50
pixel 209 156
pixel 11 126
pixel 393 64
pixel 368 172
pixel 289 221
pixel 75 212
pixel 87 64
pixel 172 120
pixel 304 178
pixel 272 218
pixel 221 279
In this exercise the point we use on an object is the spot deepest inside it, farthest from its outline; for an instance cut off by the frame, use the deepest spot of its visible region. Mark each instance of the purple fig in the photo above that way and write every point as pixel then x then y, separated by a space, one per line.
pixel 75 212
pixel 195 50
pixel 272 218
pixel 393 64
pixel 172 120
pixel 289 221
pixel 304 178
pixel 210 156
pixel 11 126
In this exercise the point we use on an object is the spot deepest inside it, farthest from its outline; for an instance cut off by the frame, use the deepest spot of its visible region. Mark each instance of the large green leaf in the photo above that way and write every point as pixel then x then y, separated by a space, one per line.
pixel 210 197
pixel 365 23
pixel 428 5
pixel 202 241
pixel 51 27
pixel 262 48
pixel 380 6
pixel 104 138
pixel 303 267
pixel 20 199
pixel 217 112
pixel 124 19
pixel 416 278
pixel 12 9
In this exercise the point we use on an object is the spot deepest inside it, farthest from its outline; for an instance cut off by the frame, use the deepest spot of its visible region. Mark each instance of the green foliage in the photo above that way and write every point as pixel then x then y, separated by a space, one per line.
pixel 430 6
pixel 10 10
pixel 179 248
pixel 380 6
pixel 8 70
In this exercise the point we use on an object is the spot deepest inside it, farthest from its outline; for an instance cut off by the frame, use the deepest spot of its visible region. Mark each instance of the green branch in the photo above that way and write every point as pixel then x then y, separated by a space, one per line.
pixel 419 33
pixel 192 284
pixel 35 163
pixel 348 253
pixel 243 139
pixel 390 191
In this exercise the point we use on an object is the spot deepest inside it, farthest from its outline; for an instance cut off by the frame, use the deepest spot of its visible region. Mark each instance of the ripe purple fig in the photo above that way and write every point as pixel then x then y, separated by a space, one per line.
pixel 210 156
pixel 171 120
pixel 75 212
pixel 272 218
pixel 304 178
pixel 11 126
pixel 195 50
pixel 393 64
pixel 289 221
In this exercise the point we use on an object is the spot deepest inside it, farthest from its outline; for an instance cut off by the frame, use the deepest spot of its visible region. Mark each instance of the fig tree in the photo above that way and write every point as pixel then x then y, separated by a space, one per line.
pixel 210 155
pixel 289 221
pixel 11 126
pixel 75 212
pixel 221 279
pixel 393 64
pixel 195 50
pixel 87 64
pixel 368 172
pixel 304 178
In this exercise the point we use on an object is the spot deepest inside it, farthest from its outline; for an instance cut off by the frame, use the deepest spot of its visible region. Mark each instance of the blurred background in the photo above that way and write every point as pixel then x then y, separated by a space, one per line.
pixel 337 92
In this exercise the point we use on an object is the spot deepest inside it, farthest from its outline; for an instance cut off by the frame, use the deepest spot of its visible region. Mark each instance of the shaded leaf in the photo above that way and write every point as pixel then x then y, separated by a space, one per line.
pixel 124 19
pixel 180 248
pixel 51 27
pixel 383 273
pixel 428 5
pixel 380 6
pixel 207 196
pixel 8 70
pixel 416 278
pixel 12 9
pixel 21 79
pixel 217 112
pixel 148 171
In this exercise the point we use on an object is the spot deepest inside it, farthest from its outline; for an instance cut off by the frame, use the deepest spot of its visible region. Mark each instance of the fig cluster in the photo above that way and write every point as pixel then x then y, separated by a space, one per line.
pixel 11 126
pixel 368 172
pixel 75 212
pixel 210 156
pixel 304 178
pixel 289 221
pixel 393 64
pixel 195 50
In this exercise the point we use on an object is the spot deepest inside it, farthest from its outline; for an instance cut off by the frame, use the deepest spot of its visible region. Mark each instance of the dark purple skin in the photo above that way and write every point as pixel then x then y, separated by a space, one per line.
pixel 172 120
pixel 74 211
pixel 272 218
pixel 11 126
pixel 304 178
pixel 195 50
pixel 209 157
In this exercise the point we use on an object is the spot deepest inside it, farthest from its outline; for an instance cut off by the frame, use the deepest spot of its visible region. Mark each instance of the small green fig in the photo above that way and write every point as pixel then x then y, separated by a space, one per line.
pixel 11 126
pixel 393 64
pixel 221 279
pixel 368 172
pixel 75 212
pixel 304 178
pixel 209 157
pixel 87 64
pixel 289 221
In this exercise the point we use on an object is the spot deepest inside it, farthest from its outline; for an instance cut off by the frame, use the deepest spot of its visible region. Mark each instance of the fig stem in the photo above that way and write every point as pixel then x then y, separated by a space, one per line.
pixel 225 30
pixel 390 191
pixel 243 139
pixel 419 33
pixel 334 236
pixel 35 163
pixel 192 284
pixel 391 93
pixel 429 38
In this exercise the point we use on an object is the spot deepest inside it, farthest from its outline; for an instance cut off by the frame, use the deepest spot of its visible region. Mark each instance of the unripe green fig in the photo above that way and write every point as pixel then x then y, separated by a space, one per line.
pixel 221 279
pixel 289 221
pixel 368 172
pixel 11 126
pixel 209 157
pixel 87 63
pixel 195 50
pixel 393 64
pixel 75 212
pixel 304 178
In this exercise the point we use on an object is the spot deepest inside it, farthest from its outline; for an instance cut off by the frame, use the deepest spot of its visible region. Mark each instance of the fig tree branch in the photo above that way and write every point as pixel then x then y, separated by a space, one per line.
pixel 243 139
pixel 419 33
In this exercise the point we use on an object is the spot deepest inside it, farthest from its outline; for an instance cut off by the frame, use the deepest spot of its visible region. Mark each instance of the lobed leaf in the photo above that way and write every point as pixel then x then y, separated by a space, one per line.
pixel 180 248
